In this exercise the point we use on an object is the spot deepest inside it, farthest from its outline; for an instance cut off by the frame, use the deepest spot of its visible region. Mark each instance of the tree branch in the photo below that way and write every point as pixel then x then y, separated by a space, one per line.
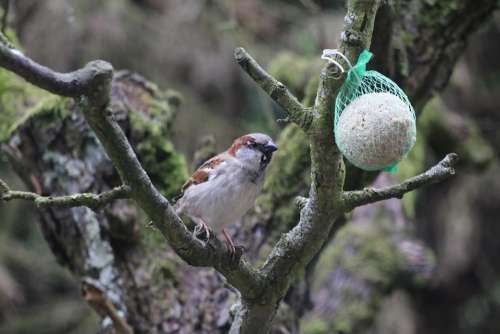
pixel 73 84
pixel 91 87
pixel 297 112
pixel 241 274
pixel 93 201
pixel 355 37
pixel 444 169
pixel 297 248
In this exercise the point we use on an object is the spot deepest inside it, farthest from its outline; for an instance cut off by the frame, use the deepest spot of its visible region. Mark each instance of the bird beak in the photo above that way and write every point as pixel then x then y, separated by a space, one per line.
pixel 270 147
pixel 267 152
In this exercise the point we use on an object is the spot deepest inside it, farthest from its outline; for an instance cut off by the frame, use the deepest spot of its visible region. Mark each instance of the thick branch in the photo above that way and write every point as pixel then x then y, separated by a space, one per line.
pixel 93 201
pixel 241 275
pixel 444 169
pixel 356 36
pixel 296 248
pixel 72 84
pixel 297 112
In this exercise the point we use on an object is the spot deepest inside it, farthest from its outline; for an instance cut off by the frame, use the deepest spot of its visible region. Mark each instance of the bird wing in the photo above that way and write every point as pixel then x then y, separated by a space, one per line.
pixel 207 171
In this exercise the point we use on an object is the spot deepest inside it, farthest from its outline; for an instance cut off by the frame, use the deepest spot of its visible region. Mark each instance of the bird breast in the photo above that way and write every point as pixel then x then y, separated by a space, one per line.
pixel 223 199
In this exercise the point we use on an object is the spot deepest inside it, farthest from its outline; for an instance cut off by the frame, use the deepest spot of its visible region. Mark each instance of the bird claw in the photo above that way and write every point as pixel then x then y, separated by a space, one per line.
pixel 202 228
pixel 229 242
pixel 235 252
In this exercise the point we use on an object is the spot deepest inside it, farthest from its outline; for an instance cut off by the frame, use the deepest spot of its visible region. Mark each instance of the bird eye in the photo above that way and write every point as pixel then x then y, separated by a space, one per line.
pixel 253 144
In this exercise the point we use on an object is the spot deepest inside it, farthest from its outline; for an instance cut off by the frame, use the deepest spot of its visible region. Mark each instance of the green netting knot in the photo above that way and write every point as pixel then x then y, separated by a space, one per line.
pixel 374 121
pixel 357 72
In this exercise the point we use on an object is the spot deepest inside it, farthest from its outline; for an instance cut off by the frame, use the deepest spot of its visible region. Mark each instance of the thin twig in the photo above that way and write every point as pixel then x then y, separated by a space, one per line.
pixel 444 169
pixel 93 201
pixel 298 113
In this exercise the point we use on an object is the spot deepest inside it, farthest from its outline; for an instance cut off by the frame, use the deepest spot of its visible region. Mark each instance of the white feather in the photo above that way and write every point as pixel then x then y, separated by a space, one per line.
pixel 225 197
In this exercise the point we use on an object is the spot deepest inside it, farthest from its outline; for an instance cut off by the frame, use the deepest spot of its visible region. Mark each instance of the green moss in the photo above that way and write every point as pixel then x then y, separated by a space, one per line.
pixel 314 326
pixel 150 125
pixel 476 149
pixel 374 258
pixel 293 70
pixel 310 93
pixel 437 129
pixel 16 96
pixel 438 125
pixel 435 11
pixel 165 270
pixel 413 164
pixel 365 253
pixel 166 167
pixel 287 177
pixel 406 37
pixel 290 69
pixel 150 235
pixel 430 116
pixel 420 277
pixel 9 38
pixel 43 113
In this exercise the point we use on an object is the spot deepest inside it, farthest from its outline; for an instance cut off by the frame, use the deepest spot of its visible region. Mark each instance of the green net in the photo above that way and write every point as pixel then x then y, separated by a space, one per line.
pixel 390 139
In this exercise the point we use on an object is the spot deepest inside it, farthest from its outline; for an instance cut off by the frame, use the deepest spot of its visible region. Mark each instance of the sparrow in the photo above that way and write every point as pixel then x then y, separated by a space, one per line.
pixel 225 187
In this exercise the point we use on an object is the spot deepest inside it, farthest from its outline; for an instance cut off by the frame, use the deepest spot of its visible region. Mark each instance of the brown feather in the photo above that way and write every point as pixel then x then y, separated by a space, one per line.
pixel 201 174
pixel 238 143
pixel 211 163
pixel 198 177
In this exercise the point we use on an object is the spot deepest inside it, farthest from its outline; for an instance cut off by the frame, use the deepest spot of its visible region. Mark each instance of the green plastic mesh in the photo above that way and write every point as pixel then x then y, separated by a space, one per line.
pixel 387 134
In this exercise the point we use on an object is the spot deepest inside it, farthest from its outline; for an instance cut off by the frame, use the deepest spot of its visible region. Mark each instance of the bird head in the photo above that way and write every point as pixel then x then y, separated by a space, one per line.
pixel 254 150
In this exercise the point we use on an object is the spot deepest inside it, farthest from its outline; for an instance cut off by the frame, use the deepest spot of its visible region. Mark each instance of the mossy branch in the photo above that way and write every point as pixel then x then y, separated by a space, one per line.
pixel 444 169
pixel 93 201
pixel 297 248
pixel 91 88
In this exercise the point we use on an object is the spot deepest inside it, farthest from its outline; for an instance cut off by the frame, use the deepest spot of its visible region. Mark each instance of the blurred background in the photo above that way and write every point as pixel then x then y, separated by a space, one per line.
pixel 187 46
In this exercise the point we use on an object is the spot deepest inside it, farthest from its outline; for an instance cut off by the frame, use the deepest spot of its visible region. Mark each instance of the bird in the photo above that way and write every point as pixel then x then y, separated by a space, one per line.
pixel 225 187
